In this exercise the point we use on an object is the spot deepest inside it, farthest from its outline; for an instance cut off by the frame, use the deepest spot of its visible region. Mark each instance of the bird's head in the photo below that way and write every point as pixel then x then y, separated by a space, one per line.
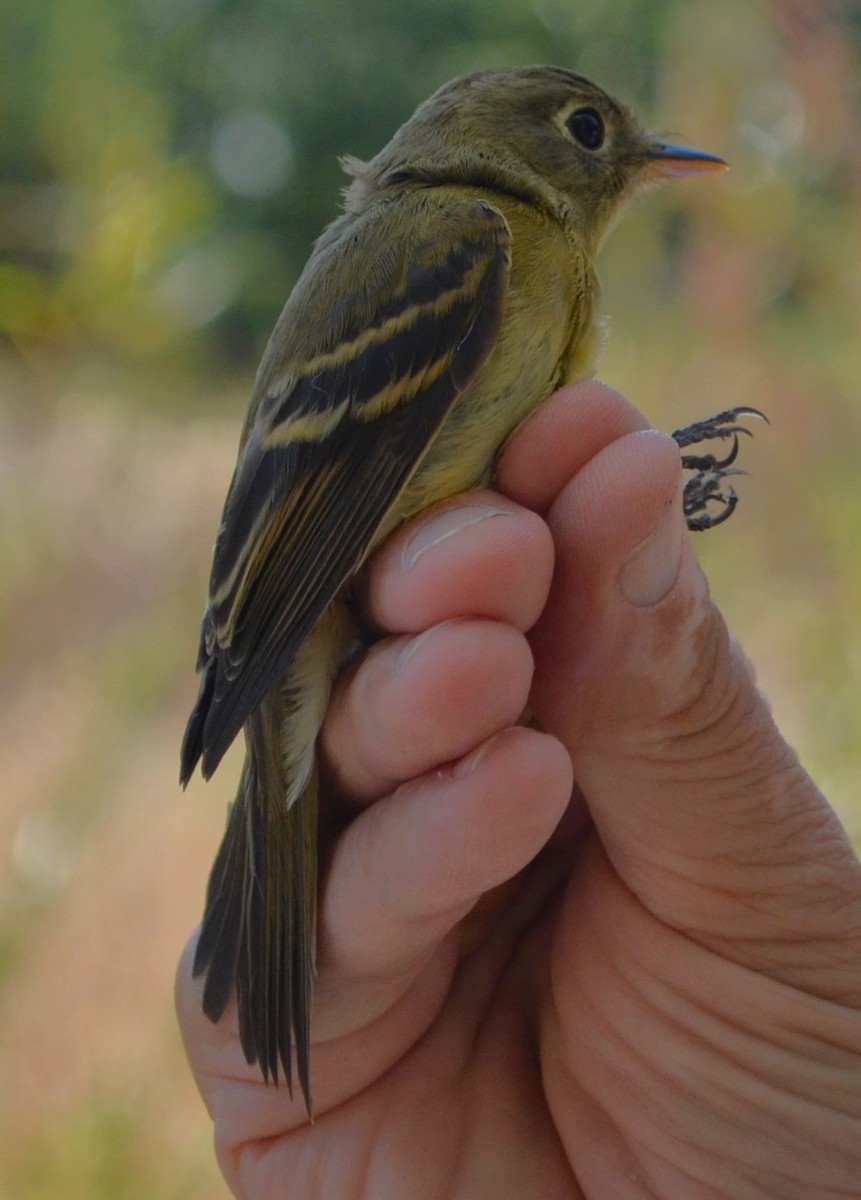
pixel 545 134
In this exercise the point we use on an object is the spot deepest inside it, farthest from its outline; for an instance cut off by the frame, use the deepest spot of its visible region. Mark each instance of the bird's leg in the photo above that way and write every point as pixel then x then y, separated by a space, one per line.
pixel 707 485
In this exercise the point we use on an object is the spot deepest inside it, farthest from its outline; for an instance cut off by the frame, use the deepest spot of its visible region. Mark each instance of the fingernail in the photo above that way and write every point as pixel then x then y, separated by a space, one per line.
pixel 466 765
pixel 445 525
pixel 407 651
pixel 650 570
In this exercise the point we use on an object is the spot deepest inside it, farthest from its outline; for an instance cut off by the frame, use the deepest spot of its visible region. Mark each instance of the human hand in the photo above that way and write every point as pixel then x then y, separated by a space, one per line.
pixel 649 984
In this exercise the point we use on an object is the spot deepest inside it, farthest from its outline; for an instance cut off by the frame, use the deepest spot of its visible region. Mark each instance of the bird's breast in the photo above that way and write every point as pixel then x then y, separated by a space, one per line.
pixel 549 336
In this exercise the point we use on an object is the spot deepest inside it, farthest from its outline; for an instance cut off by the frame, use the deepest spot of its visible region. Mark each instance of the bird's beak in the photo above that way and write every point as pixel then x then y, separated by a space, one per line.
pixel 667 160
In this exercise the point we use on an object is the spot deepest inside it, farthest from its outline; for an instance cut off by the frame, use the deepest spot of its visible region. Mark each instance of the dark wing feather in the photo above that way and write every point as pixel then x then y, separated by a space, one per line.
pixel 327 457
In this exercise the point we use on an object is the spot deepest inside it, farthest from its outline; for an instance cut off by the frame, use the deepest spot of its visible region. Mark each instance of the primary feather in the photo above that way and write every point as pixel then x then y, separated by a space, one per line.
pixel 334 443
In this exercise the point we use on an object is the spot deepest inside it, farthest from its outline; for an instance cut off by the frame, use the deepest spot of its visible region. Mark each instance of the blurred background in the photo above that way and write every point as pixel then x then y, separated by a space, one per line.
pixel 165 166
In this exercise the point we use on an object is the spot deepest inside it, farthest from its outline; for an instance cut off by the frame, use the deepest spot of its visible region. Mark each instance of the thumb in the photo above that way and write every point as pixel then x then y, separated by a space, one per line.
pixel 702 807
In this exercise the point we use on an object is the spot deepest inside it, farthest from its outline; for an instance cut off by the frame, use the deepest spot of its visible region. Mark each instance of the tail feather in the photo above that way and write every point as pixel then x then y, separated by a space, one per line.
pixel 305 934
pixel 258 925
pixel 217 953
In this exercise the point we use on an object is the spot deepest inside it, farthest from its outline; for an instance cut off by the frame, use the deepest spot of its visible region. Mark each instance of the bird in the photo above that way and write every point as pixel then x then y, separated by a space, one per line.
pixel 454 293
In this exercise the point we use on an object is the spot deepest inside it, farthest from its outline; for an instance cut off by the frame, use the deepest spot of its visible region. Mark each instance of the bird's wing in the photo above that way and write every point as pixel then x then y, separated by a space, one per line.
pixel 331 449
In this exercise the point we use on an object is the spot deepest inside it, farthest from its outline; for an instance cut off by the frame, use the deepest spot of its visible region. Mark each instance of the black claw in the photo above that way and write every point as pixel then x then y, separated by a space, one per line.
pixel 708 520
pixel 722 425
pixel 747 410
pixel 708 462
pixel 732 456
pixel 707 500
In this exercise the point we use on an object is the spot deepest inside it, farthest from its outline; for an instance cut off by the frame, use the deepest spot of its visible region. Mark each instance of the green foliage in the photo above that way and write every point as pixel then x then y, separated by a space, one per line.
pixel 172 160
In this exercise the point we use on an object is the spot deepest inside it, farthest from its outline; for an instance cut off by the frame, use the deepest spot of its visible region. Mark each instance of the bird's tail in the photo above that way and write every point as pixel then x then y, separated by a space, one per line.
pixel 258 933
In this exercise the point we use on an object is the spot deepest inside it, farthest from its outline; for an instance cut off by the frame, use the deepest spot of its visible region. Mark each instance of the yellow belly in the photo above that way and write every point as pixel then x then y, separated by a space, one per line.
pixel 549 336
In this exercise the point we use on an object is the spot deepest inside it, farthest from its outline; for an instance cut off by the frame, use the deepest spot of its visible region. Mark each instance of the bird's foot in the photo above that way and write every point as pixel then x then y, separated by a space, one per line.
pixel 708 500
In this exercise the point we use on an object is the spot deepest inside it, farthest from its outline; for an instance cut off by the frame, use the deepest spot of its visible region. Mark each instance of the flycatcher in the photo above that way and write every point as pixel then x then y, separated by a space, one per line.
pixel 456 292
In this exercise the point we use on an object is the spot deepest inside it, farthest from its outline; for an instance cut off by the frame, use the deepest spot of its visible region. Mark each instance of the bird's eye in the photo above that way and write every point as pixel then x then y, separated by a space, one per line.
pixel 586 126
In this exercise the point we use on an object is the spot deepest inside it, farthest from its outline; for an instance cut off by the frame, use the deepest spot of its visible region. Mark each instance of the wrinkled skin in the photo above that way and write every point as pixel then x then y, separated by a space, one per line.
pixel 646 983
